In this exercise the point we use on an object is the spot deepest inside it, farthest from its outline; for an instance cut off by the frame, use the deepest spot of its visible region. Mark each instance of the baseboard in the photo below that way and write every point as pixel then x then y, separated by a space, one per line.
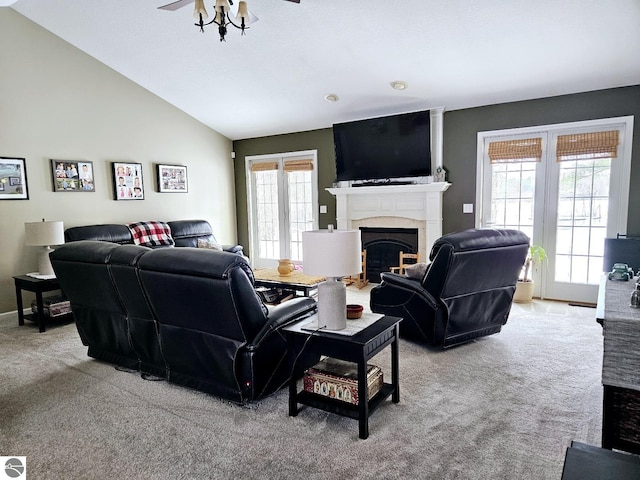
pixel 7 317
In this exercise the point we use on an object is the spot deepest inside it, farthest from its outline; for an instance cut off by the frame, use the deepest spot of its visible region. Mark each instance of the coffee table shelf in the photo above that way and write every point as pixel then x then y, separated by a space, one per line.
pixel 343 408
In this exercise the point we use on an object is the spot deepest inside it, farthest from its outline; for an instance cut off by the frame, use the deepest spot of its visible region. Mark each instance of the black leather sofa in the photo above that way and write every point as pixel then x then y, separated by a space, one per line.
pixel 185 233
pixel 466 292
pixel 190 315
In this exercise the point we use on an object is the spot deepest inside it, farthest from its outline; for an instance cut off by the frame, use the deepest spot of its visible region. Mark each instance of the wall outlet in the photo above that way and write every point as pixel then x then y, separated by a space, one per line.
pixel 467 208
pixel 323 209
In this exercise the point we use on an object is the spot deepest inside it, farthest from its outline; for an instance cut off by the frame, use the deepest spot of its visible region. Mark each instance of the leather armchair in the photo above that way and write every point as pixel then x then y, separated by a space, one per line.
pixel 466 292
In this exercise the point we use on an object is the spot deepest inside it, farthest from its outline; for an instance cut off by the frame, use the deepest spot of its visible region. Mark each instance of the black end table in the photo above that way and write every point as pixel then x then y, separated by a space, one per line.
pixel 38 286
pixel 358 348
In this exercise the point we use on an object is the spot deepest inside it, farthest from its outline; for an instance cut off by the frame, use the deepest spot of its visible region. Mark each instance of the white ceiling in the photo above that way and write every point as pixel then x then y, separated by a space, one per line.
pixel 452 53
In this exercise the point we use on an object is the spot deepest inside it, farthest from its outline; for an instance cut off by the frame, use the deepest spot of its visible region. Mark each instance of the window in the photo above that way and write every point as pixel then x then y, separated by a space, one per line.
pixel 283 196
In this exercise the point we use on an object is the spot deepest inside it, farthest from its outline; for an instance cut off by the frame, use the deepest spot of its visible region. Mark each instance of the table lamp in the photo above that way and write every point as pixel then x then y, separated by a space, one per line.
pixel 44 234
pixel 333 254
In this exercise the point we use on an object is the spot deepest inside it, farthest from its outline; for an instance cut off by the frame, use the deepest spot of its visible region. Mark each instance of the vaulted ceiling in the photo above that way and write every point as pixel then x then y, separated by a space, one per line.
pixel 452 54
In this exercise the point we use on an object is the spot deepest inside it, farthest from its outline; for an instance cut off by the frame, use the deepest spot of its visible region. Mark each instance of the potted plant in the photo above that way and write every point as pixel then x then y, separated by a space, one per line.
pixel 524 287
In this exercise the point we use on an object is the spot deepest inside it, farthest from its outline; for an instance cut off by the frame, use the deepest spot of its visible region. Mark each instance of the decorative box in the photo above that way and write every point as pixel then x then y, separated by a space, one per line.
pixel 53 306
pixel 339 379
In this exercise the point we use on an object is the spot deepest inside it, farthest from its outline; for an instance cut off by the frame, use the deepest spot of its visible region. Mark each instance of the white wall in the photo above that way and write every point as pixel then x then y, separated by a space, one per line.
pixel 56 102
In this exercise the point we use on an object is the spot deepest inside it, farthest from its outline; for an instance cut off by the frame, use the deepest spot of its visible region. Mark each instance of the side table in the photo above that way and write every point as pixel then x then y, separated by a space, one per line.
pixel 38 286
pixel 358 348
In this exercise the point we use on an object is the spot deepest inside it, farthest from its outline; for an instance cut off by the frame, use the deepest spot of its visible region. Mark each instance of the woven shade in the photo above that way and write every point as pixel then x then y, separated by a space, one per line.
pixel 515 151
pixel 298 165
pixel 588 145
pixel 264 166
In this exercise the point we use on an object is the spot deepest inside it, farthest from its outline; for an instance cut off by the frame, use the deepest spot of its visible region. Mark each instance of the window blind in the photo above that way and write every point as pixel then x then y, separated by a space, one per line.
pixel 264 166
pixel 515 151
pixel 587 145
pixel 305 165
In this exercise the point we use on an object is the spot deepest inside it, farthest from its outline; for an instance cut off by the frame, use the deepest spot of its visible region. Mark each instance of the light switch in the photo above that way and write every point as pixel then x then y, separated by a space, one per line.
pixel 467 208
pixel 323 209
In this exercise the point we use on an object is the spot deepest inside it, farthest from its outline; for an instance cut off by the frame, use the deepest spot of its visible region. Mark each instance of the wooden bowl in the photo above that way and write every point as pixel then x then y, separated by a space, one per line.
pixel 354 311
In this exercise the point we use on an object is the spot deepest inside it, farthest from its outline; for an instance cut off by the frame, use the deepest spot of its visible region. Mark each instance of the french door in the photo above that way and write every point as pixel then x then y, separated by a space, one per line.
pixel 567 187
pixel 283 199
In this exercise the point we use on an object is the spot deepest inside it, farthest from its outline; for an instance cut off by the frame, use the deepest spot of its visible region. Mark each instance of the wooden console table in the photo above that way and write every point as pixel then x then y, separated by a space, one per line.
pixel 620 366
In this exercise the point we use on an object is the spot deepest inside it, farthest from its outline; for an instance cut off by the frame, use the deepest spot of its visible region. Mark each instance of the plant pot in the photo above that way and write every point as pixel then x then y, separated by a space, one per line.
pixel 524 292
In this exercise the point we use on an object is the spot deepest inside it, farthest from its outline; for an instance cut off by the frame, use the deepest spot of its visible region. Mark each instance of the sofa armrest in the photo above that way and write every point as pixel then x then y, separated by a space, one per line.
pixel 233 249
pixel 399 290
pixel 284 314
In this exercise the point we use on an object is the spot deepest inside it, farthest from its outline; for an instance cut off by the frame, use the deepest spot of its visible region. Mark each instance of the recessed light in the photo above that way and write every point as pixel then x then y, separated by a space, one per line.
pixel 332 97
pixel 399 85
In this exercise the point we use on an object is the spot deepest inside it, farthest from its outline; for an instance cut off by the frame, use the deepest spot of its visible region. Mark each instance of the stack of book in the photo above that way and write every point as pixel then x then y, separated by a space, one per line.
pixel 339 380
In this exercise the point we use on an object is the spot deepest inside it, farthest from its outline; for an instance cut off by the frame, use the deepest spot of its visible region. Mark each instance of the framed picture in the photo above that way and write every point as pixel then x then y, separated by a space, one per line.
pixel 13 179
pixel 172 178
pixel 72 176
pixel 127 181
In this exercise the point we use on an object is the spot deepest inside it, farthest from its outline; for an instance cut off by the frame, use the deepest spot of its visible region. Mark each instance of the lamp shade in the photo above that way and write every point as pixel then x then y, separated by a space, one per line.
pixel 200 10
pixel 331 253
pixel 43 234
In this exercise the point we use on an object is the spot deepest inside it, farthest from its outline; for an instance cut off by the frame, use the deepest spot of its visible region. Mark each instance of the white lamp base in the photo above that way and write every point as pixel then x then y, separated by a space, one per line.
pixel 44 262
pixel 332 304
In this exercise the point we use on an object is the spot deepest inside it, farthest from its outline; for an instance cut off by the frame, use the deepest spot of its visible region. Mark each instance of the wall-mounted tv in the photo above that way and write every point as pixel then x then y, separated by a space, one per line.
pixel 396 146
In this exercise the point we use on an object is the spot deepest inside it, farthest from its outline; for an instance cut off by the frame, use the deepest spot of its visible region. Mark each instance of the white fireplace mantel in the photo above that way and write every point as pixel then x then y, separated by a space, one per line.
pixel 419 203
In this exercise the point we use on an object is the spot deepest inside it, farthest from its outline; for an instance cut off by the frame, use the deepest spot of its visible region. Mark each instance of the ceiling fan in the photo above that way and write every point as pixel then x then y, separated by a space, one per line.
pixel 183 3
pixel 221 17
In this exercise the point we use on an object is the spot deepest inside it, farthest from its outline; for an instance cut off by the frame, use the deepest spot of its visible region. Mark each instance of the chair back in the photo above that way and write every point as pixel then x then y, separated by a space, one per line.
pixel 474 274
pixel 82 269
pixel 207 310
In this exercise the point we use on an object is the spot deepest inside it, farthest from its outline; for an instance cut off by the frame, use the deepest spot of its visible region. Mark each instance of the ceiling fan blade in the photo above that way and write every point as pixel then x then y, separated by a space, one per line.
pixel 176 5
pixel 294 1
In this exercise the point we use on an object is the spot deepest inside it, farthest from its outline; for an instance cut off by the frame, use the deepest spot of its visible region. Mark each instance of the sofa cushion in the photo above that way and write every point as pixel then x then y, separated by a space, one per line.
pixel 151 234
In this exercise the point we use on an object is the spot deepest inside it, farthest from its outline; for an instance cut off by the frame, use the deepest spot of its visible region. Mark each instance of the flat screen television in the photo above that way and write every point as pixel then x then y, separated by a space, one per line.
pixel 397 146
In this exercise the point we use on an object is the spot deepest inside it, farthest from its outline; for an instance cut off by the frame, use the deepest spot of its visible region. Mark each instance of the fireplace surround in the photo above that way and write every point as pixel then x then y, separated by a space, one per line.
pixel 417 206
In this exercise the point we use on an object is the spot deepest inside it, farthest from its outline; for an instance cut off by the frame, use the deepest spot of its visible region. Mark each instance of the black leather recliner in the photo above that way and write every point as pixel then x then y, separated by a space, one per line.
pixel 188 314
pixel 466 292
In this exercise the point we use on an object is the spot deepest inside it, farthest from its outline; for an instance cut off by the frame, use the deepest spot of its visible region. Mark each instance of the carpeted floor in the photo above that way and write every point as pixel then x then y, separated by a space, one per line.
pixel 504 407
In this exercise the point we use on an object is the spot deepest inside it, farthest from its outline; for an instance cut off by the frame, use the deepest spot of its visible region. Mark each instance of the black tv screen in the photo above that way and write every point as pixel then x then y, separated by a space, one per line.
pixel 383 148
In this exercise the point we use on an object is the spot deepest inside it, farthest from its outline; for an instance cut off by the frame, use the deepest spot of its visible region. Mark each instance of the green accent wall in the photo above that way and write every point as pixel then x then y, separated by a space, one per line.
pixel 320 140
pixel 459 149
pixel 461 129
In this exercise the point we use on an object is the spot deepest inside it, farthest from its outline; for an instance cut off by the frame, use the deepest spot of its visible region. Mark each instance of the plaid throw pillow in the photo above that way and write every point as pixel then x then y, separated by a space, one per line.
pixel 151 234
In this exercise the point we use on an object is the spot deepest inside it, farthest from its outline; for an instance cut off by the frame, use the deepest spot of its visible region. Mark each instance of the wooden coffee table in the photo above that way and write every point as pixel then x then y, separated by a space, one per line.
pixel 296 281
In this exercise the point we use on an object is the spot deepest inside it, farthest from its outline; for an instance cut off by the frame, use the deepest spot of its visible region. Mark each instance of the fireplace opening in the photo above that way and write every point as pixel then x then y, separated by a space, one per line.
pixel 383 246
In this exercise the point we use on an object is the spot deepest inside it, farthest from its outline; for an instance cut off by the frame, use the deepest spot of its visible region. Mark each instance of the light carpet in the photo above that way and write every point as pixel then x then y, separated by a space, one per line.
pixel 503 407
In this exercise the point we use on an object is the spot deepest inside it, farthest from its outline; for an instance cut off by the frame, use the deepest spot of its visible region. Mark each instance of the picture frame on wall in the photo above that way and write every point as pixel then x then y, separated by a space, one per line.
pixel 172 178
pixel 127 181
pixel 13 179
pixel 72 176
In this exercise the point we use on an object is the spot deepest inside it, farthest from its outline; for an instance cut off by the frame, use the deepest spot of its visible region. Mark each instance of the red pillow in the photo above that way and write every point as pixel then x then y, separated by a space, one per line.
pixel 151 234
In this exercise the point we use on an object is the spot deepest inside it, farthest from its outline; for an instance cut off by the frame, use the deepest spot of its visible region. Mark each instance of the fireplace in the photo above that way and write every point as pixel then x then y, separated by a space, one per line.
pixel 383 247
pixel 416 206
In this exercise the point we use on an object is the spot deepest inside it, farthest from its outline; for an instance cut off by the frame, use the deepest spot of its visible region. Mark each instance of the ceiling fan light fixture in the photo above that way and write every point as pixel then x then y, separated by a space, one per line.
pixel 244 15
pixel 222 6
pixel 200 10
pixel 399 85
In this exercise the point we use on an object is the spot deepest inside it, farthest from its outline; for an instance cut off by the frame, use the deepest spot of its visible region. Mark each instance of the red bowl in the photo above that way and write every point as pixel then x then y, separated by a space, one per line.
pixel 354 311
